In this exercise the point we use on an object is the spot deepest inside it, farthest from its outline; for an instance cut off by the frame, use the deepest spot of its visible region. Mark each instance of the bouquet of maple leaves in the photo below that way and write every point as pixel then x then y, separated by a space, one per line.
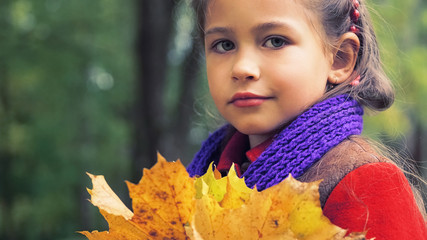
pixel 168 204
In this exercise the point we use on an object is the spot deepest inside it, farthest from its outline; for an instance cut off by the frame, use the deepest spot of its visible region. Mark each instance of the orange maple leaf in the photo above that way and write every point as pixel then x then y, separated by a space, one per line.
pixel 162 203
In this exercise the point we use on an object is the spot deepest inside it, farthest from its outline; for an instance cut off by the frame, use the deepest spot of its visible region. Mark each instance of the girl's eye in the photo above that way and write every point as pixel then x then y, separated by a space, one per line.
pixel 223 46
pixel 275 42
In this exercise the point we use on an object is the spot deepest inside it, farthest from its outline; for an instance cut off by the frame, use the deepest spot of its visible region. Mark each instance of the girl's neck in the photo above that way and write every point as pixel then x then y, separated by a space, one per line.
pixel 255 140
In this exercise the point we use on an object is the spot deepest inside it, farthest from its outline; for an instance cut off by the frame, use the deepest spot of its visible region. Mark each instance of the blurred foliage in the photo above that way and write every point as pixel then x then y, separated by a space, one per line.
pixel 67 75
pixel 401 30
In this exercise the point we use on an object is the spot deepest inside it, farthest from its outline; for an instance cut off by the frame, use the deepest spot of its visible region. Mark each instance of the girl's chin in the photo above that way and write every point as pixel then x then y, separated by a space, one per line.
pixel 252 130
pixel 257 132
pixel 257 129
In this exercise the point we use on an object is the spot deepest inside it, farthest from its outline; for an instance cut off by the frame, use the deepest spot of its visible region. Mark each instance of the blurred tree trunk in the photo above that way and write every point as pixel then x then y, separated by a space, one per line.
pixel 182 116
pixel 6 178
pixel 6 189
pixel 417 152
pixel 154 31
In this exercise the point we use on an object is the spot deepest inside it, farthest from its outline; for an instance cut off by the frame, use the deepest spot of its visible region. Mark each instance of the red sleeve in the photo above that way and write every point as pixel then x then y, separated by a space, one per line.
pixel 376 197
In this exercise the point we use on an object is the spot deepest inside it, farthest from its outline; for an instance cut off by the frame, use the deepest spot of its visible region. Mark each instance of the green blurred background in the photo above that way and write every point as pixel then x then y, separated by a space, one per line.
pixel 100 85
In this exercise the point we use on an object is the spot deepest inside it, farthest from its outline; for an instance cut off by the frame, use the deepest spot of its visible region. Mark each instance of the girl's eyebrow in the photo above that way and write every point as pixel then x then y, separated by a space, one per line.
pixel 263 27
pixel 222 30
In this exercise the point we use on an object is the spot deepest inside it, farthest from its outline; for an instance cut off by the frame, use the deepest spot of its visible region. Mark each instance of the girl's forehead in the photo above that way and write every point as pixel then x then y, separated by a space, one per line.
pixel 243 12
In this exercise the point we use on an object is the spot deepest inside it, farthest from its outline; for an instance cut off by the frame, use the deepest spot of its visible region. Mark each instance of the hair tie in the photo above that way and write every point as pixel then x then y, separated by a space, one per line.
pixel 356 81
pixel 354 16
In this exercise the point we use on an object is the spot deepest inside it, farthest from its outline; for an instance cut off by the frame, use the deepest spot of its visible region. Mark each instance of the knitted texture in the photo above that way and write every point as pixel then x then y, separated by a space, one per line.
pixel 297 147
pixel 209 148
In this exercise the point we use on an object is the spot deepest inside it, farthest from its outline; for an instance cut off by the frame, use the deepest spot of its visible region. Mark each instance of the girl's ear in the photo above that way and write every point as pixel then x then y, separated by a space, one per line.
pixel 345 58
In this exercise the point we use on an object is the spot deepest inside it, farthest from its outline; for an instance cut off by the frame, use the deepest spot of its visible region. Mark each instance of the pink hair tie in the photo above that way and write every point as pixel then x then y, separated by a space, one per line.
pixel 355 82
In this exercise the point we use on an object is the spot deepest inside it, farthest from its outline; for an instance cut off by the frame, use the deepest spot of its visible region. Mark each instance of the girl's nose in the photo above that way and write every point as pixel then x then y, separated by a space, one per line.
pixel 245 68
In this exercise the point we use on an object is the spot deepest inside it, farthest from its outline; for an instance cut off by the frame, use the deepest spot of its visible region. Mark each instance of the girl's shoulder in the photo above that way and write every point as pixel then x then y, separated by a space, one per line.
pixel 347 156
pixel 370 192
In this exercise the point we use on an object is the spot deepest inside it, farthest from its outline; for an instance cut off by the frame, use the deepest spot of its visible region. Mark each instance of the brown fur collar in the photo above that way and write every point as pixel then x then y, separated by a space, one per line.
pixel 338 162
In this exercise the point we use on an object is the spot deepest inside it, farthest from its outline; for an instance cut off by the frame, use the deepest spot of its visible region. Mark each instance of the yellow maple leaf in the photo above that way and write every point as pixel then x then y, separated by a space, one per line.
pixel 211 184
pixel 104 198
pixel 230 191
pixel 162 203
pixel 237 192
pixel 168 204
pixel 289 210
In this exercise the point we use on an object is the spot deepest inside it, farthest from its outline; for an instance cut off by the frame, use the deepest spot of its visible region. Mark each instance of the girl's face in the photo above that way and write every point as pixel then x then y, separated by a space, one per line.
pixel 265 63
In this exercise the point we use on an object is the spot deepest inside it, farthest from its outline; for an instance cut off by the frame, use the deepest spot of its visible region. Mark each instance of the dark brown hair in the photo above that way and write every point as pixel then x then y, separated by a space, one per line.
pixel 375 90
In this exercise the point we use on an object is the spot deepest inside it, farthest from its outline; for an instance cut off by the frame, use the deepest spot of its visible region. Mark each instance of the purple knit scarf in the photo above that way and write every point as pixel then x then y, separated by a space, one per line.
pixel 297 147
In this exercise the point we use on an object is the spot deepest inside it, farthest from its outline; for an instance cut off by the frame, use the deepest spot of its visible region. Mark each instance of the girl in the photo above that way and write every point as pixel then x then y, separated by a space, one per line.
pixel 292 78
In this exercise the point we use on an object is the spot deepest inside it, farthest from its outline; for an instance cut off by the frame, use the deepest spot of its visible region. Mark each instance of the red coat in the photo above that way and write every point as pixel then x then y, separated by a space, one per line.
pixel 376 197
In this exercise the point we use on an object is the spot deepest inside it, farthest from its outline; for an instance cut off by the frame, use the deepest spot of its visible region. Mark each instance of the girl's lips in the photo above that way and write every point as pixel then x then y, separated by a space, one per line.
pixel 247 99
